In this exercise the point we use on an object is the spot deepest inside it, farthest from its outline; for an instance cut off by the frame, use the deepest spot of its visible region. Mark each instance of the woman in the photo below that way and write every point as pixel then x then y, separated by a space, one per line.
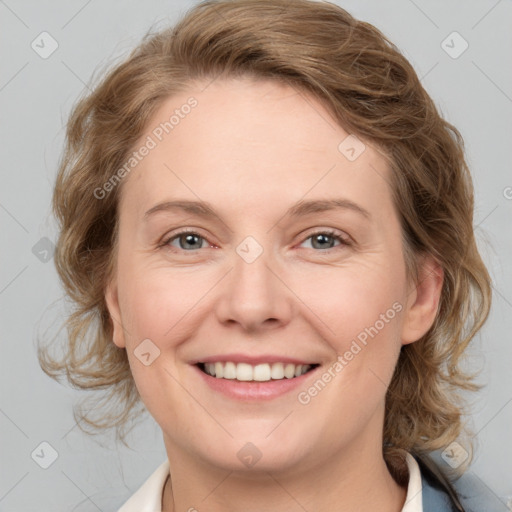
pixel 267 226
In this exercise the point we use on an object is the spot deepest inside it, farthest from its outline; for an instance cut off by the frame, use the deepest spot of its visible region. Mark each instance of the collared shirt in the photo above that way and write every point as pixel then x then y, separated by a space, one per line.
pixel 148 498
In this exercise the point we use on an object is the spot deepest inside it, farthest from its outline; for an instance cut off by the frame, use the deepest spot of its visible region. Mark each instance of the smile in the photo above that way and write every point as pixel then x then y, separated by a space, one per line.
pixel 264 372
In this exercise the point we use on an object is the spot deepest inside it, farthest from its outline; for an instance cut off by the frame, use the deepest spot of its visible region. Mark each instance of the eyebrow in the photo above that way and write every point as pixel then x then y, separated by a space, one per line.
pixel 204 209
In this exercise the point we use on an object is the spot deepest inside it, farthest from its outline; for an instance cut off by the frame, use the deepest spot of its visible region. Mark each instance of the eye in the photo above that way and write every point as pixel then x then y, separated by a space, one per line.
pixel 186 241
pixel 325 240
pixel 190 240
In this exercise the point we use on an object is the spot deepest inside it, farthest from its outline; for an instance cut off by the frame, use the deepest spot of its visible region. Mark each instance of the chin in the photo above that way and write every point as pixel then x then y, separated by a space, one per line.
pixel 253 453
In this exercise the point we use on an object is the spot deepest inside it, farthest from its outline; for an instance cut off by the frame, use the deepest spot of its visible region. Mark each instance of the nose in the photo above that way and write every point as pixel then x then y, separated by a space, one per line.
pixel 255 295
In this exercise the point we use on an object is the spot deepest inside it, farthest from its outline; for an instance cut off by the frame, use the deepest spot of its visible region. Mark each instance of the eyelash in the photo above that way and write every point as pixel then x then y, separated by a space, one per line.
pixel 329 232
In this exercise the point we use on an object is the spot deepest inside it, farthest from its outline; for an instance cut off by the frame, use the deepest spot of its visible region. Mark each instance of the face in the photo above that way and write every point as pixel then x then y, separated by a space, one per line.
pixel 260 289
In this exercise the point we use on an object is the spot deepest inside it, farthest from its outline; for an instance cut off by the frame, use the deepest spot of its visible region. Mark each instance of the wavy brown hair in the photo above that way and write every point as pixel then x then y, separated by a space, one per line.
pixel 372 91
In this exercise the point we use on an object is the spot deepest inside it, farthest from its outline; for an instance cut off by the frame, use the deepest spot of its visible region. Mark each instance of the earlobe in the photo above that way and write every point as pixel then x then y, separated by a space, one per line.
pixel 112 301
pixel 423 301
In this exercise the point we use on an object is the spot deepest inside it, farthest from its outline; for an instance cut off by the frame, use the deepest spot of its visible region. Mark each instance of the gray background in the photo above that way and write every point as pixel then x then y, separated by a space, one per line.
pixel 473 91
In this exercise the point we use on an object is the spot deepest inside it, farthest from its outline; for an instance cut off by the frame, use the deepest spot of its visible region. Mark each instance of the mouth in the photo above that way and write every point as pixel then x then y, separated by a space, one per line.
pixel 254 378
pixel 263 372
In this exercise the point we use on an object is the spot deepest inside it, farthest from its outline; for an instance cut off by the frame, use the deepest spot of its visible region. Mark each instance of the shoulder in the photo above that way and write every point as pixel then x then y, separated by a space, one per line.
pixel 148 497
pixel 476 496
pixel 466 493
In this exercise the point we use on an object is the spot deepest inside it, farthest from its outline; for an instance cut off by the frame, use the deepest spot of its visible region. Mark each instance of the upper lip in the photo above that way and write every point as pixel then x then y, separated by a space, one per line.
pixel 252 359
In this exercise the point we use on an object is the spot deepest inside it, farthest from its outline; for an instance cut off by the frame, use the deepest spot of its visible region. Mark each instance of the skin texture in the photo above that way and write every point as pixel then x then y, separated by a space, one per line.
pixel 253 149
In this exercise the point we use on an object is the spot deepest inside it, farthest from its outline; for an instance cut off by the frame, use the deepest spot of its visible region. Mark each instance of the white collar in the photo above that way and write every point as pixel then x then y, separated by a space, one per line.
pixel 414 498
pixel 148 497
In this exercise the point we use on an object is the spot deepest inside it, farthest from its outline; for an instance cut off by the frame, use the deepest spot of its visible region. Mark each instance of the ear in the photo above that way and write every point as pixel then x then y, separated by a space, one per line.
pixel 112 300
pixel 422 300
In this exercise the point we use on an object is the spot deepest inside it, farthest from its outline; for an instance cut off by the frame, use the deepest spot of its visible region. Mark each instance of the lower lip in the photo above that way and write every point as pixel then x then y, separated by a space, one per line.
pixel 267 390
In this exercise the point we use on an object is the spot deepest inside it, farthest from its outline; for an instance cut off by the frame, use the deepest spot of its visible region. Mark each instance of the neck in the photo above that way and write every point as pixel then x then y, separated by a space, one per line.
pixel 341 484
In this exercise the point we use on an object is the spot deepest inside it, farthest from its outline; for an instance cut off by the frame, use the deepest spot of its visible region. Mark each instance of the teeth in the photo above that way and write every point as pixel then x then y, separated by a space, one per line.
pixel 219 370
pixel 230 371
pixel 277 371
pixel 259 373
pixel 289 371
pixel 243 371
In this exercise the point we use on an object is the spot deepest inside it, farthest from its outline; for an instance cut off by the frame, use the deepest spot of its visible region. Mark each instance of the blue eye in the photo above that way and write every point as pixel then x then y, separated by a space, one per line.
pixel 191 241
pixel 325 240
pixel 187 240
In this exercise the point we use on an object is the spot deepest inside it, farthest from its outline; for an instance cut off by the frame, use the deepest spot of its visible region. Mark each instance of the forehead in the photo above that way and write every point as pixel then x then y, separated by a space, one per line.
pixel 250 140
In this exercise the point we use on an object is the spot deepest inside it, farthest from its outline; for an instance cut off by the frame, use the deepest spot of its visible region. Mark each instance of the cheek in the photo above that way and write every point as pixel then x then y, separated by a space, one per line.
pixel 156 307
pixel 364 335
pixel 156 303
pixel 360 302
pixel 359 314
